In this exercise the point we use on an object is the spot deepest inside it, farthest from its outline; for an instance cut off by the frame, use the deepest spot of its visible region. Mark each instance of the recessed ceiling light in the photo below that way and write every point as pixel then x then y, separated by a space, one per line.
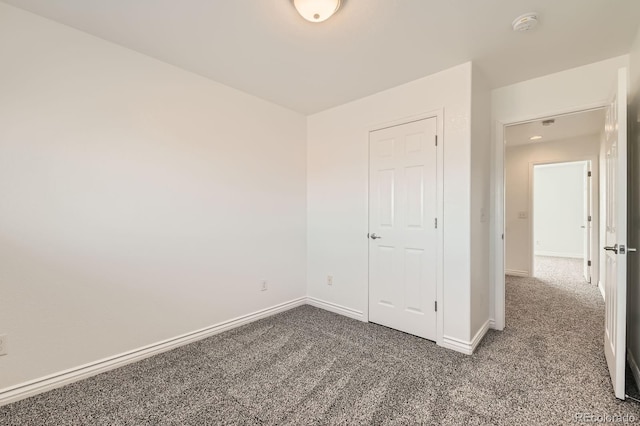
pixel 316 10
pixel 535 138
pixel 525 22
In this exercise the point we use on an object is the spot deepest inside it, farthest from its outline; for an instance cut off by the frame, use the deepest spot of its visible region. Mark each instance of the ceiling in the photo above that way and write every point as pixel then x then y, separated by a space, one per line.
pixel 566 126
pixel 263 47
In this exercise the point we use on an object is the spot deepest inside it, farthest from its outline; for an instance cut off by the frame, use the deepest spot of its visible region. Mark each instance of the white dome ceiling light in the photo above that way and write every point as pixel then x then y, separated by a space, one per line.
pixel 525 22
pixel 316 10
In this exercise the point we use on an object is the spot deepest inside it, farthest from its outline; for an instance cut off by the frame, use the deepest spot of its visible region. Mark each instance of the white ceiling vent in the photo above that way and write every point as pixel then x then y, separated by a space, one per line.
pixel 525 22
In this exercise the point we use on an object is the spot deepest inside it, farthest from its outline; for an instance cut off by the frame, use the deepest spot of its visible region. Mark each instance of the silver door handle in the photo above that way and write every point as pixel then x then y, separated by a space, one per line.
pixel 613 248
pixel 374 236
pixel 631 250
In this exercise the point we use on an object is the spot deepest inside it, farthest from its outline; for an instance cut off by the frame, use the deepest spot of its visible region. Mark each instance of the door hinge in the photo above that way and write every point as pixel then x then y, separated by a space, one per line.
pixel 436 306
pixel 436 140
pixel 589 173
pixel 435 221
pixel 588 263
pixel 589 219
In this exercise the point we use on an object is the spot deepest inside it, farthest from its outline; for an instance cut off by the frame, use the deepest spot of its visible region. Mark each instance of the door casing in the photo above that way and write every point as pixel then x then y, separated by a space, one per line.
pixel 593 242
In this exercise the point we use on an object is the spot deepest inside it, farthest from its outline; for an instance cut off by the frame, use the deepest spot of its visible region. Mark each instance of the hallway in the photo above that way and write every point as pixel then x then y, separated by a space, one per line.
pixel 559 317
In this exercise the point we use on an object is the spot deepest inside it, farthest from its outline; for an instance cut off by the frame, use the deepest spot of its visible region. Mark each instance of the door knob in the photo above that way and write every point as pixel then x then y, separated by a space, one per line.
pixel 613 248
pixel 374 236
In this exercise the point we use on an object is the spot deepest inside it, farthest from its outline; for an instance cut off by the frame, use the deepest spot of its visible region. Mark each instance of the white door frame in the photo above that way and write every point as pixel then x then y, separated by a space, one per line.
pixel 439 116
pixel 499 201
pixel 595 199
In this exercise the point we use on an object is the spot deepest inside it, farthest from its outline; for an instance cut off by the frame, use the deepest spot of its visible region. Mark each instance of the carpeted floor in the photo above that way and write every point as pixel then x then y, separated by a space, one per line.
pixel 308 366
pixel 559 270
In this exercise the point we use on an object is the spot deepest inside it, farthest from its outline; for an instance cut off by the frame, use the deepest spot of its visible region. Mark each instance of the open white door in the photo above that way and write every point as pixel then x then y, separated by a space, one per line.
pixel 586 217
pixel 616 235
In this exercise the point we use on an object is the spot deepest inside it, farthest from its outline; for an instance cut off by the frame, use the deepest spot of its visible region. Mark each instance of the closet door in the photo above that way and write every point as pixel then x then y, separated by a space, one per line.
pixel 402 227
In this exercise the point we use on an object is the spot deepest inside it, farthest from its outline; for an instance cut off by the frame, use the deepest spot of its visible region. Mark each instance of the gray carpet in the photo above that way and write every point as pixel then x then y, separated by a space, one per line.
pixel 308 366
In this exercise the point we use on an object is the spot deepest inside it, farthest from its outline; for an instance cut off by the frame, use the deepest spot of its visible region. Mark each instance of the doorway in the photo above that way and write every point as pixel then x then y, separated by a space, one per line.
pixel 563 152
pixel 612 160
pixel 562 214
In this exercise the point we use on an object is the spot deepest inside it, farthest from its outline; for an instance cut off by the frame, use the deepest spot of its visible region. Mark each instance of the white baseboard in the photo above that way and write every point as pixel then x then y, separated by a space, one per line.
pixel 466 347
pixel 62 378
pixel 559 254
pixel 516 273
pixel 601 287
pixel 457 345
pixel 494 326
pixel 479 335
pixel 634 367
pixel 335 308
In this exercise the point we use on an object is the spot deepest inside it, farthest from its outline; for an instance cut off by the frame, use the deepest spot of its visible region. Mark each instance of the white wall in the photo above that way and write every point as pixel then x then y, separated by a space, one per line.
pixel 138 201
pixel 518 162
pixel 571 90
pixel 337 191
pixel 557 93
pixel 480 202
pixel 559 210
pixel 633 261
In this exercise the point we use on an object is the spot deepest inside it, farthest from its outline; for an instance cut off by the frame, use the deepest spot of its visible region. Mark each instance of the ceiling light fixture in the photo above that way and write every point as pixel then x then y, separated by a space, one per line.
pixel 525 22
pixel 535 138
pixel 316 10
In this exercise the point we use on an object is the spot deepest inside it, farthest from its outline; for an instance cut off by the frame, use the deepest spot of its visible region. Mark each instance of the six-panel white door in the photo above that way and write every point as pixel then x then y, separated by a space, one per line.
pixel 402 227
pixel 615 288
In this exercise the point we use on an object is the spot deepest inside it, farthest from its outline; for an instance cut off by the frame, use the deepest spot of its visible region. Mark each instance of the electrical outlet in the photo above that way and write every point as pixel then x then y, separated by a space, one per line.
pixel 264 285
pixel 3 344
pixel 329 279
pixel 523 215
